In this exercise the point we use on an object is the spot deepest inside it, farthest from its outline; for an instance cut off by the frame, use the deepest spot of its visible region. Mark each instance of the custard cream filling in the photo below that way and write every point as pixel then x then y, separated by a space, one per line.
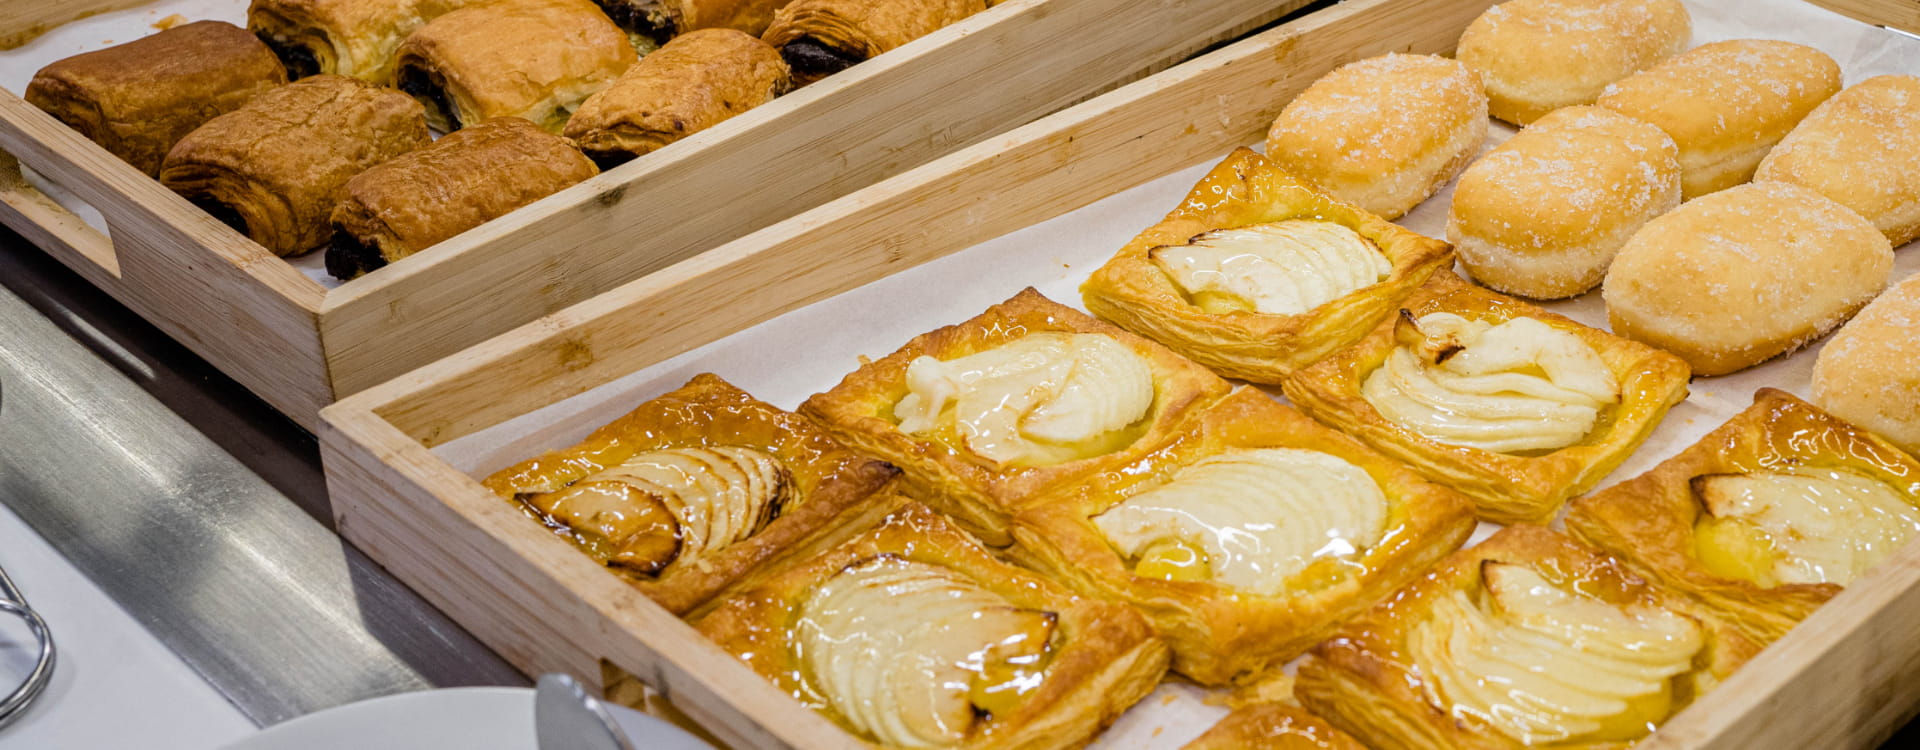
pixel 1281 268
pixel 913 654
pixel 1817 525
pixel 1520 385
pixel 1045 398
pixel 1540 664
pixel 1259 516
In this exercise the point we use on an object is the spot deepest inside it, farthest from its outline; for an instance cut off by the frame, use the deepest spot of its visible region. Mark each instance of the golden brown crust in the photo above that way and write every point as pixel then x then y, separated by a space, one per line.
pixel 1730 280
pixel 355 38
pixel 537 59
pixel 1866 374
pixel 835 485
pixel 459 182
pixel 861 29
pixel 1537 56
pixel 1727 103
pixel 1362 681
pixel 1105 656
pixel 138 99
pixel 975 490
pixel 1219 634
pixel 1860 149
pixel 1273 726
pixel 281 162
pixel 1649 520
pixel 1505 488
pixel 1245 189
pixel 696 81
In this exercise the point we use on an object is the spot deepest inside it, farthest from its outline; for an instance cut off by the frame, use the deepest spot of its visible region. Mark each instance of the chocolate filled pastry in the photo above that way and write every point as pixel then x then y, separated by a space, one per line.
pixel 137 99
pixel 274 168
pixel 695 82
pixel 821 37
pixel 354 38
pixel 659 21
pixel 537 59
pixel 460 182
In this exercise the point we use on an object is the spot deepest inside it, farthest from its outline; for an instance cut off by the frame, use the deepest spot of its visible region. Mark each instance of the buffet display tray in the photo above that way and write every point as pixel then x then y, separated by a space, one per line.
pixel 788 310
pixel 300 341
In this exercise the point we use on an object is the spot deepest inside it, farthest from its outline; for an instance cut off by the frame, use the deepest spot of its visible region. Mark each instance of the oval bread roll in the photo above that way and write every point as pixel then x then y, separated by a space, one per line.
pixel 1861 149
pixel 1383 133
pixel 1727 103
pixel 1536 56
pixel 1542 215
pixel 1738 277
pixel 1866 374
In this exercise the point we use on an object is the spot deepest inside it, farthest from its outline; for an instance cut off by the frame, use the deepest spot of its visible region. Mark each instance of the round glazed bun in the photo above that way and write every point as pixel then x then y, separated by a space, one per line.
pixel 1542 215
pixel 1862 149
pixel 1746 274
pixel 1866 374
pixel 1536 56
pixel 1383 133
pixel 1726 104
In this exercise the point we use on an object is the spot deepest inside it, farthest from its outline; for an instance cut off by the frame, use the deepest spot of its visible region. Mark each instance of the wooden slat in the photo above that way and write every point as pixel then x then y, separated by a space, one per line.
pixel 1899 14
pixel 1020 60
pixel 50 226
pixel 23 20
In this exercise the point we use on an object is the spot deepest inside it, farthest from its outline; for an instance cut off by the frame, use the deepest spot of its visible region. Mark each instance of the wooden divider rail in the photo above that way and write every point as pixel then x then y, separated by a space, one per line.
pixel 300 345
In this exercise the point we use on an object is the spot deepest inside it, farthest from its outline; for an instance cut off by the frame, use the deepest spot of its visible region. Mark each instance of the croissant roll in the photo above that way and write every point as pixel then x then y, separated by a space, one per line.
pixel 274 168
pixel 345 37
pixel 698 80
pixel 821 37
pixel 662 20
pixel 460 182
pixel 137 99
pixel 537 59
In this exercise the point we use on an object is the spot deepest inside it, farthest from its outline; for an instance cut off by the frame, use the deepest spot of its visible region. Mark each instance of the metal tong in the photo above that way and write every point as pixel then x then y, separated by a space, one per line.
pixel 11 602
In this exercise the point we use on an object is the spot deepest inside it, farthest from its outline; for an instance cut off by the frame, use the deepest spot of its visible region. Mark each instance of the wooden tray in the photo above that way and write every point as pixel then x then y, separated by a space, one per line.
pixel 1844 680
pixel 300 345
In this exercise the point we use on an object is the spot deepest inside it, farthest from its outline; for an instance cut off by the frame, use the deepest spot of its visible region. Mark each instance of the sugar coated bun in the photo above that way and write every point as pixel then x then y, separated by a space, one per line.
pixel 1727 103
pixel 1542 215
pixel 1862 149
pixel 1383 133
pixel 1536 56
pixel 1732 279
pixel 1866 374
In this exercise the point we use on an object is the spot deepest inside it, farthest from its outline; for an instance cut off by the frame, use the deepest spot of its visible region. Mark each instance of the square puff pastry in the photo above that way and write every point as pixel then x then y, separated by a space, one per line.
pixel 1221 633
pixel 1273 726
pixel 1246 189
pixel 1100 657
pixel 1652 520
pixel 980 492
pixel 1383 678
pixel 1505 487
pixel 831 485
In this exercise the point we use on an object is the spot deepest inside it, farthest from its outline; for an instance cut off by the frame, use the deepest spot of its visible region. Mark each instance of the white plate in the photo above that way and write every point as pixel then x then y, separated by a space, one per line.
pixel 492 718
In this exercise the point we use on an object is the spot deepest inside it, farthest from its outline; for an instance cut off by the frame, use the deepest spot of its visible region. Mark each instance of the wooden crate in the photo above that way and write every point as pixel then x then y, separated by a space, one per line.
pixel 1845 679
pixel 301 346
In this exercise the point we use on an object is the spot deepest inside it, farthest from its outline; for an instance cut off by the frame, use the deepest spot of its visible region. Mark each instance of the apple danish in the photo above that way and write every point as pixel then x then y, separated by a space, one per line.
pixel 1516 407
pixel 1257 274
pixel 1766 517
pixel 1273 726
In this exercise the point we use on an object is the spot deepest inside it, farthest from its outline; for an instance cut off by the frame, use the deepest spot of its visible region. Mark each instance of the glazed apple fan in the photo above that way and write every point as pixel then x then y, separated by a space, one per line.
pixel 669 506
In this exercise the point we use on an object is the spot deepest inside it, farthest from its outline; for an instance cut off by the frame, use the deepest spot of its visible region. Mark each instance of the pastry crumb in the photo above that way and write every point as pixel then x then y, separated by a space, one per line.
pixel 1158 730
pixel 169 22
pixel 1168 699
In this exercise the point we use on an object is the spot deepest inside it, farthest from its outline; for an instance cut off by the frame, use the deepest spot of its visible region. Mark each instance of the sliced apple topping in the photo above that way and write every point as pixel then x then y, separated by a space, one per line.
pixel 1801 525
pixel 1521 385
pixel 1541 664
pixel 1252 517
pixel 662 507
pixel 917 655
pixel 1045 398
pixel 1279 268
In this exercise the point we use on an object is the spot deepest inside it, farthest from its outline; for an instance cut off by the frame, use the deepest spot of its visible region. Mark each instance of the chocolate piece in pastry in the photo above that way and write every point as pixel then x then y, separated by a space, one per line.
pixel 346 37
pixel 661 20
pixel 275 168
pixel 137 99
pixel 821 37
pixel 537 59
pixel 693 83
pixel 460 182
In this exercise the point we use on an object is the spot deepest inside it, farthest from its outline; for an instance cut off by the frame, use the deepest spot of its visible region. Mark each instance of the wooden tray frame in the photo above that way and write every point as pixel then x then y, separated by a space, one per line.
pixel 545 607
pixel 300 346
